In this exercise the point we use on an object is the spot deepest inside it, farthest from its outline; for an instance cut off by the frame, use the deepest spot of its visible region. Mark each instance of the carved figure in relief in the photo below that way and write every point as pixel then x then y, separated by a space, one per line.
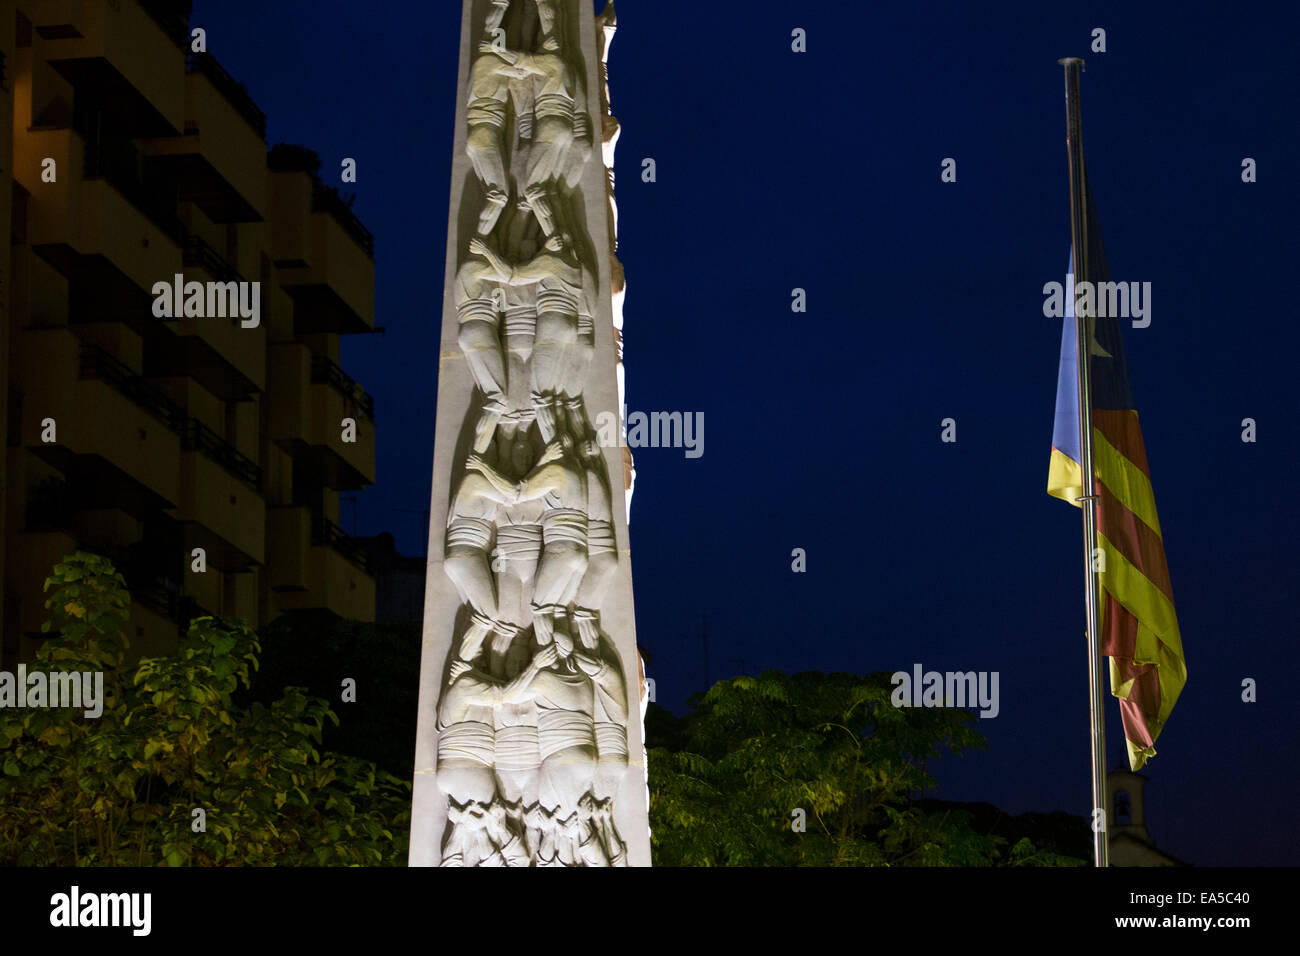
pixel 467 754
pixel 494 18
pixel 610 717
pixel 556 488
pixel 565 698
pixel 480 297
pixel 564 290
pixel 578 357
pixel 489 94
pixel 532 720
pixel 557 121
pixel 519 525
pixel 517 755
pixel 546 12
pixel 471 520
pixel 559 481
pixel 520 327
pixel 602 549
pixel 466 748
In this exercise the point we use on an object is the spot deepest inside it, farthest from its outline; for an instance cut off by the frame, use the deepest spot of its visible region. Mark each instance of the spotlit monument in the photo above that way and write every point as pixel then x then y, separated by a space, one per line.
pixel 529 747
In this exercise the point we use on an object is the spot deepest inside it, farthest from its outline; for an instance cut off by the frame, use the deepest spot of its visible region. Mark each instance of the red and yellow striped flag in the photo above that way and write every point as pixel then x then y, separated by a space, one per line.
pixel 1138 628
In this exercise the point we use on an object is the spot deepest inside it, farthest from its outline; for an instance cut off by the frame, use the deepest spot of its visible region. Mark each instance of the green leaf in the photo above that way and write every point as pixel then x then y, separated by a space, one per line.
pixel 205 750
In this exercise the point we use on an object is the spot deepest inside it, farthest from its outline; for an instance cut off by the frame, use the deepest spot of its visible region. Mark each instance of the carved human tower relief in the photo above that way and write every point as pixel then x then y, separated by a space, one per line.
pixel 532 709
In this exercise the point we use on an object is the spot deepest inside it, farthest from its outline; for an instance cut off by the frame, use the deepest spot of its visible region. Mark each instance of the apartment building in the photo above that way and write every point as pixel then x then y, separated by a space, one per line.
pixel 129 159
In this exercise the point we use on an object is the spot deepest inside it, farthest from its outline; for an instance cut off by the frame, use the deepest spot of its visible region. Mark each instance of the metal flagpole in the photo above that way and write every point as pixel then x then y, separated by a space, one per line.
pixel 1084 335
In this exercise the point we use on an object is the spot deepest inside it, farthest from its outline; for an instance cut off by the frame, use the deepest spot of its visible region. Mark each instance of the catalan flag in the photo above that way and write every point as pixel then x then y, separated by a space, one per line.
pixel 1137 626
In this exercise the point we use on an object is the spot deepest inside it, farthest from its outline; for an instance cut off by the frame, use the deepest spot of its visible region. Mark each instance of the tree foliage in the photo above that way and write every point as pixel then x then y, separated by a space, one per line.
pixel 123 789
pixel 761 755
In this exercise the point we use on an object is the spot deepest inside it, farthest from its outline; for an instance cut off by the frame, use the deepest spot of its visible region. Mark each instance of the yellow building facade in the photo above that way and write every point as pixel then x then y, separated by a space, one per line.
pixel 130 159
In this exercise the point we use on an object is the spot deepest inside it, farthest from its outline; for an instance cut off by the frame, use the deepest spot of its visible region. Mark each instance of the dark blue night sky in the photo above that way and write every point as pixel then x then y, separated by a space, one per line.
pixel 821 171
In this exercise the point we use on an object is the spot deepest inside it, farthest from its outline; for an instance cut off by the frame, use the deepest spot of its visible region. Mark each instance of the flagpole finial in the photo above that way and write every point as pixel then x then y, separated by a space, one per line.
pixel 1072 61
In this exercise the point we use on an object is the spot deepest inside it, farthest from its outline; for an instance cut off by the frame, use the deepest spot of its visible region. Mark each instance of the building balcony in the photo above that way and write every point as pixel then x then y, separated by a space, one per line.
pixel 106 530
pixel 325 257
pixel 326 199
pixel 220 162
pixel 172 17
pixel 119 161
pixel 233 363
pixel 79 506
pixel 232 92
pixel 344 466
pixel 219 353
pixel 196 436
pixel 164 599
pixel 158 609
pixel 356 399
pixel 223 514
pixel 325 533
pixel 315 566
pixel 308 403
pixel 109 422
pixel 200 255
pixel 116 415
pixel 193 434
pixel 91 231
pixel 158 618
pixel 126 55
pixel 58 19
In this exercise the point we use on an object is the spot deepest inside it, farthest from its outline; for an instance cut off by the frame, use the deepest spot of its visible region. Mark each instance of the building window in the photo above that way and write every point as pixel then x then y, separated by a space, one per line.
pixel 1123 810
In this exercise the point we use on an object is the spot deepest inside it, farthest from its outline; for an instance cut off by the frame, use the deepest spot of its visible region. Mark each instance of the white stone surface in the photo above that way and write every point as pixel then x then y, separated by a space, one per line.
pixel 529 745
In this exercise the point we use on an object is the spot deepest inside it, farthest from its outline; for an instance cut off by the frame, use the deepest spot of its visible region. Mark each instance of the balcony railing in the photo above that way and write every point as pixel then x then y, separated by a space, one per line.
pixel 326 532
pixel 119 163
pixel 324 371
pixel 197 436
pixel 327 199
pixel 194 435
pixel 199 253
pixel 96 363
pixel 177 607
pixel 229 87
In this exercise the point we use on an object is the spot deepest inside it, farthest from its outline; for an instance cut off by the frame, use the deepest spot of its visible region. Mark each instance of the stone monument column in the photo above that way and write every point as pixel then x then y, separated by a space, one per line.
pixel 529 745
